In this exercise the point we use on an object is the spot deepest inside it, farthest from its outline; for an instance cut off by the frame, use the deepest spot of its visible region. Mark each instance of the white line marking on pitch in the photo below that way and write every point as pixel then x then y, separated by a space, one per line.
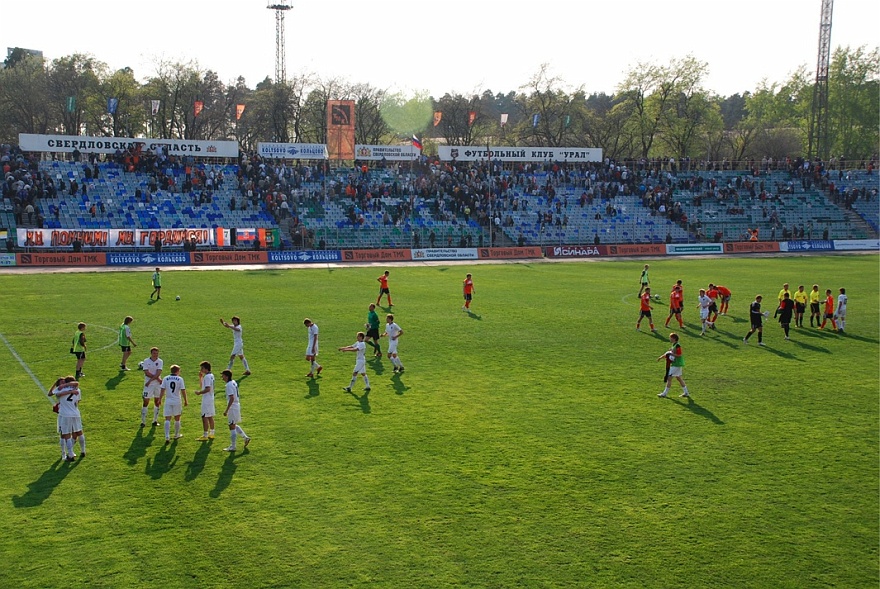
pixel 24 365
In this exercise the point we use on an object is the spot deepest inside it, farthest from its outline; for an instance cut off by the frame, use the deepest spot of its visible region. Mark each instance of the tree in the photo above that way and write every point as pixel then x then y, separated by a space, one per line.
pixel 74 91
pixel 456 126
pixel 545 97
pixel 604 125
pixel 853 96
pixel 24 105
pixel 130 117
pixel 659 95
pixel 369 126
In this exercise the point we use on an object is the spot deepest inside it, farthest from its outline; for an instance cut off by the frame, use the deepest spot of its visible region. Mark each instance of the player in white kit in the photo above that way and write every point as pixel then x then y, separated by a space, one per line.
pixel 206 391
pixel 360 364
pixel 841 311
pixel 237 344
pixel 69 418
pixel 312 349
pixel 393 333
pixel 704 303
pixel 233 412
pixel 173 392
pixel 152 368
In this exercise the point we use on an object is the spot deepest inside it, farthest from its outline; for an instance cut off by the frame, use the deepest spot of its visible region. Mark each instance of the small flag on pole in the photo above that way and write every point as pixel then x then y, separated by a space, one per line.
pixel 535 120
pixel 239 110
pixel 71 103
pixel 154 104
pixel 112 103
pixel 503 119
pixel 472 115
pixel 567 121
pixel 198 106
pixel 438 116
pixel 416 143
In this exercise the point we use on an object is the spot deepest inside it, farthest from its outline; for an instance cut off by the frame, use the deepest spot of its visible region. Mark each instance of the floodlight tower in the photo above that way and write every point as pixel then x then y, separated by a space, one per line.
pixel 280 7
pixel 818 143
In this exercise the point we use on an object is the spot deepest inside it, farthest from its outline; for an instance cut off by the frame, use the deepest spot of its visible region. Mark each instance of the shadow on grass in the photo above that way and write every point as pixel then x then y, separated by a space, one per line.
pixel 377 366
pixel 314 389
pixel 139 444
pixel 860 338
pixel 694 407
pixel 163 462
pixel 781 353
pixel 737 319
pixel 112 383
pixel 399 387
pixel 195 466
pixel 473 315
pixel 364 400
pixel 39 490
pixel 801 344
pixel 227 471
pixel 724 341
pixel 152 302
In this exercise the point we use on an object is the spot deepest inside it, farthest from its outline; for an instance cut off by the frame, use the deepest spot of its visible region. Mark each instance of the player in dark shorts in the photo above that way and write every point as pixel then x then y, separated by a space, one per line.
pixel 372 326
pixel 757 319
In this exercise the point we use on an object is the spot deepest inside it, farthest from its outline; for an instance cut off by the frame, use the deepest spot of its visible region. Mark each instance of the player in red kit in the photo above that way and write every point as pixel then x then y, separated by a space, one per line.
pixel 676 302
pixel 724 293
pixel 645 309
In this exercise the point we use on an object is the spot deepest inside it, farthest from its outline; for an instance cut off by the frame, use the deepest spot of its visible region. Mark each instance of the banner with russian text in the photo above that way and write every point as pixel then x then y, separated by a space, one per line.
pixel 340 129
pixel 112 238
pixel 391 153
pixel 519 154
pixel 293 151
pixel 89 144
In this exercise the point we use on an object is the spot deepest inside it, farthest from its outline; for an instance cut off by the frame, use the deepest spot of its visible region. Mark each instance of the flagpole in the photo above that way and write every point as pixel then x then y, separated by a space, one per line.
pixel 491 200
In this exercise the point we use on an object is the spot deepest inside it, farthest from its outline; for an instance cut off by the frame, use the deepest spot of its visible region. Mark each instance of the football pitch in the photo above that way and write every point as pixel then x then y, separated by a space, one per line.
pixel 524 446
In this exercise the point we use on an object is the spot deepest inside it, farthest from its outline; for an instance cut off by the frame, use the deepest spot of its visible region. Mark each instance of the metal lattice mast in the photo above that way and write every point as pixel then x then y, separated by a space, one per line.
pixel 818 144
pixel 280 7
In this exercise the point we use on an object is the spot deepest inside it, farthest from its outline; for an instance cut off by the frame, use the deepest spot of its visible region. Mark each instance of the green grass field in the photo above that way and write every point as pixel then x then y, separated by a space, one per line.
pixel 525 445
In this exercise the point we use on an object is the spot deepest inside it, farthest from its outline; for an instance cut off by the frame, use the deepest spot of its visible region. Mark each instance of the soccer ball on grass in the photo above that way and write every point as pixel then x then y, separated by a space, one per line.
pixel 177 298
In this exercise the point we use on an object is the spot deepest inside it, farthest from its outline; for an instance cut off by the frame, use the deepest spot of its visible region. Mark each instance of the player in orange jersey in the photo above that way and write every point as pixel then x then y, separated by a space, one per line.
pixel 468 291
pixel 829 310
pixel 724 293
pixel 676 302
pixel 645 309
pixel 383 288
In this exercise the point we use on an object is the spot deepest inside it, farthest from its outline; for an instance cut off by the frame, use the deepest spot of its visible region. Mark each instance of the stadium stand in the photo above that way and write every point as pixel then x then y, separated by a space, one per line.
pixel 441 204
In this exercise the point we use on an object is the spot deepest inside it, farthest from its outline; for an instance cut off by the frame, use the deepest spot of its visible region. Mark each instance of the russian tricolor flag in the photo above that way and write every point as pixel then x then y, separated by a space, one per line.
pixel 416 143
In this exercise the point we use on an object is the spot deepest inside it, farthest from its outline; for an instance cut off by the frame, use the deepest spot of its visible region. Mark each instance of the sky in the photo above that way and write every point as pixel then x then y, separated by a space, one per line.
pixel 454 46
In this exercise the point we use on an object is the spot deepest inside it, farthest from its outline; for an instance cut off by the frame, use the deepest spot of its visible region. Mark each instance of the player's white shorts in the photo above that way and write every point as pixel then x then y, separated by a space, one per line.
pixel 68 425
pixel 309 351
pixel 360 367
pixel 674 371
pixel 208 409
pixel 152 390
pixel 172 408
pixel 841 314
pixel 392 346
pixel 704 313
pixel 237 350
pixel 234 415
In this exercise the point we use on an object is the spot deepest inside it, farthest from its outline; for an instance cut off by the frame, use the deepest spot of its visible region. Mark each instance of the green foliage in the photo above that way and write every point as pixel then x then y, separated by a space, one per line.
pixel 524 445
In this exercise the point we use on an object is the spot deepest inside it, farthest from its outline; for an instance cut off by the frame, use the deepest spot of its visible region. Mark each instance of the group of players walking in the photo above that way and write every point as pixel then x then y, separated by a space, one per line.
pixel 790 307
